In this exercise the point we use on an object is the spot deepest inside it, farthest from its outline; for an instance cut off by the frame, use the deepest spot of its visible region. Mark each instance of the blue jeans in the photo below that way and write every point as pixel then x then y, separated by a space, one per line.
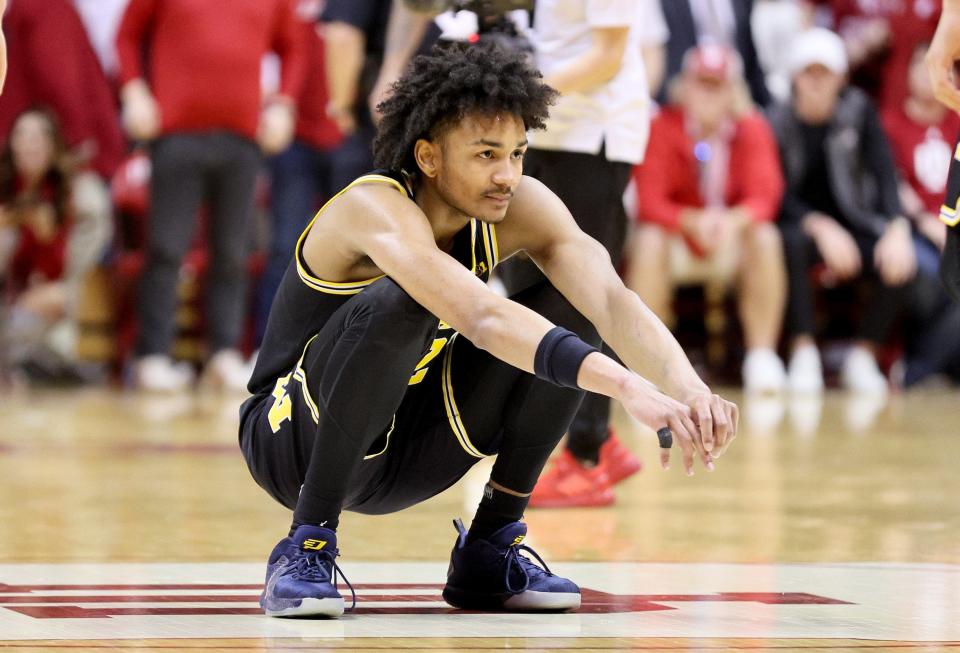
pixel 300 180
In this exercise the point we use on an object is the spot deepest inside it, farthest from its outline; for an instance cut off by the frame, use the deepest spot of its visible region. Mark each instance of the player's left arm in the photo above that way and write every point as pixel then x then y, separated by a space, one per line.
pixel 580 268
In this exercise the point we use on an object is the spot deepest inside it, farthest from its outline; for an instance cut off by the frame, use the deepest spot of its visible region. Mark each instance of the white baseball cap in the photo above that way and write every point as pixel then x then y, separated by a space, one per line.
pixel 817 46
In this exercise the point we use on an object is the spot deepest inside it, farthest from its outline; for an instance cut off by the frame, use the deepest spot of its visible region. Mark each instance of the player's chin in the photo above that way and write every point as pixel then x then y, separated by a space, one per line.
pixel 492 214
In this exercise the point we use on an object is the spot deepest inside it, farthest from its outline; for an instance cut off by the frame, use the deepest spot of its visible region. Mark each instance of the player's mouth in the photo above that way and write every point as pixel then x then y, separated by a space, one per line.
pixel 500 199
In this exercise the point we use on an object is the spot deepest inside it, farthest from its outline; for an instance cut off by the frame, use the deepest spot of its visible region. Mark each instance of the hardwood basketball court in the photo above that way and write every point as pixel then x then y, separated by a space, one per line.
pixel 130 523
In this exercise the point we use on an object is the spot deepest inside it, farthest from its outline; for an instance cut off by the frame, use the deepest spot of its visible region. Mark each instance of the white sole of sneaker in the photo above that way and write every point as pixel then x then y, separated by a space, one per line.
pixel 332 608
pixel 530 600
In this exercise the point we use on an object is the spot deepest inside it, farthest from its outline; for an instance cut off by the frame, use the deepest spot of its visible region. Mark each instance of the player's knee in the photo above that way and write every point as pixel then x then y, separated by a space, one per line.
pixel 388 304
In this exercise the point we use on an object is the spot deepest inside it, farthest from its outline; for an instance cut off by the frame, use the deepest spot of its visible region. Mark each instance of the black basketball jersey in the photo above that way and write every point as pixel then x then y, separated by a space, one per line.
pixel 304 303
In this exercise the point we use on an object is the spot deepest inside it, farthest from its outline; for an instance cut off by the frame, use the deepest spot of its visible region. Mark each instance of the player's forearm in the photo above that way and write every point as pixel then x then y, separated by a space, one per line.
pixel 513 333
pixel 344 61
pixel 647 347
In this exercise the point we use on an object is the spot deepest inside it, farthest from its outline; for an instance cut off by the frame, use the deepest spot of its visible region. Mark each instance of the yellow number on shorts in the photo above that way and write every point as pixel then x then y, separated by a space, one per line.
pixel 421 370
pixel 282 408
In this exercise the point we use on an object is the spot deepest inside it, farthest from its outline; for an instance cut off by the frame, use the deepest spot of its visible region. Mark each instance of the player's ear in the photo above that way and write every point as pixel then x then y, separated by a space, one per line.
pixel 427 155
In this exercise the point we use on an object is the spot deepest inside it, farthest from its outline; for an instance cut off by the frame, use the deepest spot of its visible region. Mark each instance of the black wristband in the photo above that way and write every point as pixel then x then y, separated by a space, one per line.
pixel 559 356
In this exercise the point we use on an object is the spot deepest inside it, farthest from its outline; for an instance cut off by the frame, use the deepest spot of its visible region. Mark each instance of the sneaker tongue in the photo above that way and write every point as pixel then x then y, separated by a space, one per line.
pixel 509 535
pixel 314 538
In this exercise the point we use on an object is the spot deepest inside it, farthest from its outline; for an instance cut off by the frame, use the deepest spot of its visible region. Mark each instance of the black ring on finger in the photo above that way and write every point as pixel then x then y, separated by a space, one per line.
pixel 665 435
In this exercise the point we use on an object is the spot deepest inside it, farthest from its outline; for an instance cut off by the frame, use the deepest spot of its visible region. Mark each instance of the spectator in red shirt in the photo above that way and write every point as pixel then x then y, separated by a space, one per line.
pixel 46 245
pixel 922 132
pixel 880 38
pixel 201 108
pixel 303 174
pixel 709 191
pixel 54 65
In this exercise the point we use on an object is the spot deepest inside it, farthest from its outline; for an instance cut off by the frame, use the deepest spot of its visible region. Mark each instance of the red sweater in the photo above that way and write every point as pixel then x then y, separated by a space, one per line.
pixel 667 180
pixel 205 57
pixel 53 64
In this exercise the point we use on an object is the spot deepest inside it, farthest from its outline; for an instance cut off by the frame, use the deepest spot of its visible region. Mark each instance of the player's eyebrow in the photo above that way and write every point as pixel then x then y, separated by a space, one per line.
pixel 484 141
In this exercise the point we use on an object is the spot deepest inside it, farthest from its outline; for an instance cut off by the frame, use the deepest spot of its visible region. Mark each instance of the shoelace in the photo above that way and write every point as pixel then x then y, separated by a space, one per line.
pixel 311 568
pixel 525 565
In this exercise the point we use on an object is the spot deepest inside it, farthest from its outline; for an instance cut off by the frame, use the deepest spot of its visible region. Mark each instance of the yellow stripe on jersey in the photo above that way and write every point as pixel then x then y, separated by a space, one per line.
pixel 473 245
pixel 453 414
pixel 300 376
pixel 339 287
pixel 487 245
pixel 496 247
pixel 950 217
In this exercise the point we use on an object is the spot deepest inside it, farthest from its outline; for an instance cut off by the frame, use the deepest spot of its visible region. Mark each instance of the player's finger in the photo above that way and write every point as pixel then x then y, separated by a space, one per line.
pixel 665 437
pixel 705 422
pixel 721 424
pixel 733 418
pixel 705 456
pixel 685 439
pixel 943 87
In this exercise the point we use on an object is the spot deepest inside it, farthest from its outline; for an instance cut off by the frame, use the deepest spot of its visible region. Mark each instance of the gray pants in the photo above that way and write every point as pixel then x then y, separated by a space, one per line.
pixel 188 169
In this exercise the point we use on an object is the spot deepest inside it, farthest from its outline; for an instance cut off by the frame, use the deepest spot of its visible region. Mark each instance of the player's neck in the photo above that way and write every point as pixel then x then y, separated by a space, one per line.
pixel 445 220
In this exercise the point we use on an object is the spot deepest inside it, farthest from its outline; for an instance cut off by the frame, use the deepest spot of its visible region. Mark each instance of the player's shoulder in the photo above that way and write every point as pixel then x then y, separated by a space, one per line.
pixel 377 192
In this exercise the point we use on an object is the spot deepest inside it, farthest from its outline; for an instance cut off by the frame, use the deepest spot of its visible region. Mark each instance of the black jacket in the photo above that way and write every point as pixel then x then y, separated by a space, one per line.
pixel 860 167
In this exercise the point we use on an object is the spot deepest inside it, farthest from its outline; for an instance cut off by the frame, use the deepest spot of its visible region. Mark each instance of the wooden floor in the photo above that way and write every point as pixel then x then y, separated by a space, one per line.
pixel 852 502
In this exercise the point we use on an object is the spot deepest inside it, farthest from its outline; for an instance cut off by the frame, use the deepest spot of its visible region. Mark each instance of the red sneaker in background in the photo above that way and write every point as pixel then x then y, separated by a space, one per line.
pixel 568 484
pixel 617 461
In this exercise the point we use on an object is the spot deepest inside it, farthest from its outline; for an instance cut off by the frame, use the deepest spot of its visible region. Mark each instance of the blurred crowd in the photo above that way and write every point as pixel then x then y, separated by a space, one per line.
pixel 794 164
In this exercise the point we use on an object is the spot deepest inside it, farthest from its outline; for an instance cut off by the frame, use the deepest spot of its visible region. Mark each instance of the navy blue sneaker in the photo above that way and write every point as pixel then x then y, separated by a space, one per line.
pixel 302 576
pixel 491 574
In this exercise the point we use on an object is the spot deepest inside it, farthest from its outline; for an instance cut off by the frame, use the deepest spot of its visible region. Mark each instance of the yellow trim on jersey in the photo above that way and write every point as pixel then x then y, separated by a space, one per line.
pixel 487 245
pixel 450 405
pixel 473 245
pixel 339 287
pixel 496 247
pixel 300 375
pixel 950 217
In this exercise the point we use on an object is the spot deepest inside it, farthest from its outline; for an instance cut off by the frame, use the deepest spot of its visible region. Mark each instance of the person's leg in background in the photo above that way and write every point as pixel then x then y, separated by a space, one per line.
pixel 177 186
pixel 298 179
pixel 235 163
pixel 592 189
pixel 761 297
pixel 804 371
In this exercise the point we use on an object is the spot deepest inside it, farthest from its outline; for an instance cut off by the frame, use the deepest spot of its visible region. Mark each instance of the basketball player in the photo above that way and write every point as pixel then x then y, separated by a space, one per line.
pixel 364 400
pixel 941 62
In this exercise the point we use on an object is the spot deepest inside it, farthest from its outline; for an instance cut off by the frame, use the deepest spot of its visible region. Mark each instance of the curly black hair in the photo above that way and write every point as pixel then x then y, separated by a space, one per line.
pixel 442 87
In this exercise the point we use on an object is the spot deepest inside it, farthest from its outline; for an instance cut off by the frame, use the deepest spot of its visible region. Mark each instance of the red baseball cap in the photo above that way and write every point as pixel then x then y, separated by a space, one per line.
pixel 714 62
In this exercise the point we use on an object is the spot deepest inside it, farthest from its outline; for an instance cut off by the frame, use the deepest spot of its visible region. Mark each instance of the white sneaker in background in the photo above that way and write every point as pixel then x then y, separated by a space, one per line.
pixel 158 373
pixel 861 373
pixel 226 370
pixel 763 372
pixel 805 372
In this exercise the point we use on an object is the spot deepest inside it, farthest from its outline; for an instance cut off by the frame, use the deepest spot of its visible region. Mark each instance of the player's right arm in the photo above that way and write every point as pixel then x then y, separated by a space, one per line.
pixel 943 53
pixel 394 233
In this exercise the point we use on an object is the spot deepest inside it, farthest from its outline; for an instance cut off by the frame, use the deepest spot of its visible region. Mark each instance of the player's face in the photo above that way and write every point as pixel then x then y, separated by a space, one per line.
pixel 481 165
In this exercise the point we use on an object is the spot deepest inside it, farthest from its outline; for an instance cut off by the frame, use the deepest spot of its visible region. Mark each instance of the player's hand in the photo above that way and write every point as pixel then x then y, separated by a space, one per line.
pixel 649 406
pixel 141 114
pixel 837 247
pixel 943 52
pixel 277 123
pixel 894 255
pixel 717 420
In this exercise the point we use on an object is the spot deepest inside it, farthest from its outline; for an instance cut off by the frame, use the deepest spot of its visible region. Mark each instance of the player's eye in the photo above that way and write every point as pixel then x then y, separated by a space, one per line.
pixel 518 154
pixel 486 154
